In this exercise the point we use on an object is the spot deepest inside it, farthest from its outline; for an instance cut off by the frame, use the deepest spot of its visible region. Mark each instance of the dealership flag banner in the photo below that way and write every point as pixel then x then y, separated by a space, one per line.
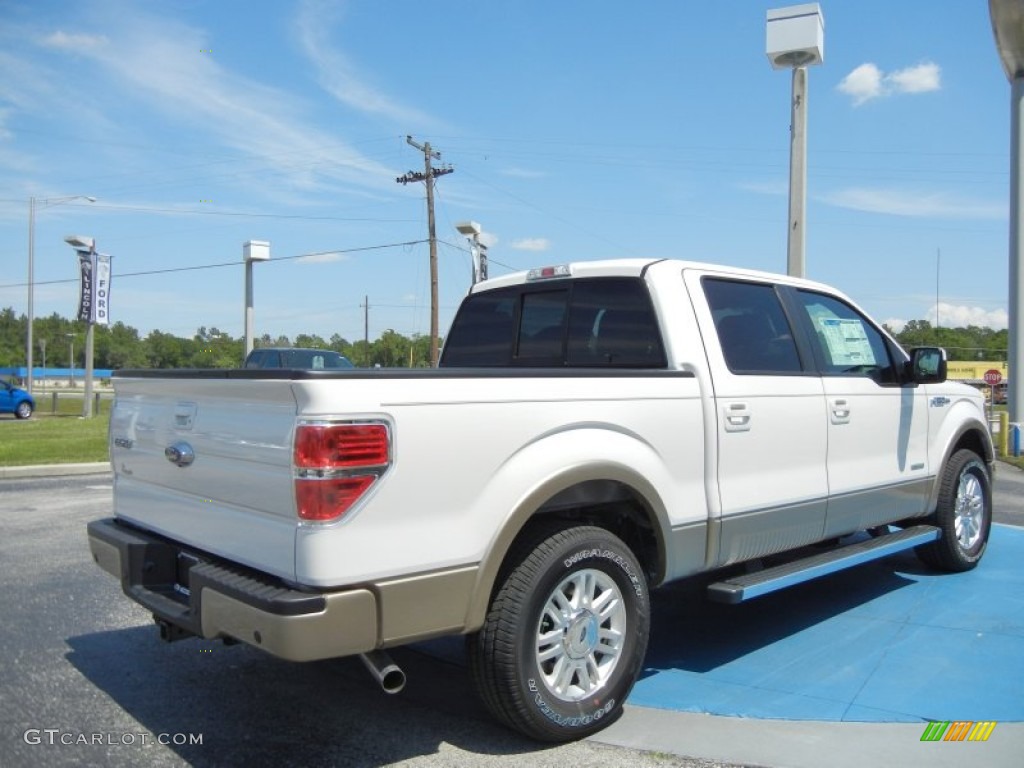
pixel 94 287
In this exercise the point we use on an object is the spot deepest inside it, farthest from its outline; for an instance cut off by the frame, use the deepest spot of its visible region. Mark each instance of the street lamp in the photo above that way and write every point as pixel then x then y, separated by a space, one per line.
pixel 471 230
pixel 32 205
pixel 796 40
pixel 252 250
pixel 1008 27
pixel 71 360
pixel 87 244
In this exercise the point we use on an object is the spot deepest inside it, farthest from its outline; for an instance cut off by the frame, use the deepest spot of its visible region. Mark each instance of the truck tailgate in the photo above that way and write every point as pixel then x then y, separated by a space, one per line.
pixel 212 469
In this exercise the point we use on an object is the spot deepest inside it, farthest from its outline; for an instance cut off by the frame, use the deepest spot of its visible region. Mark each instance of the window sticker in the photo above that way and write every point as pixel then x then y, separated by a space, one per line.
pixel 847 341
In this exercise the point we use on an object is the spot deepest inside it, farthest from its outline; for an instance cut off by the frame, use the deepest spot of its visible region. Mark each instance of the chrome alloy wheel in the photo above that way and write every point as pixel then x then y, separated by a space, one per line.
pixel 970 510
pixel 580 634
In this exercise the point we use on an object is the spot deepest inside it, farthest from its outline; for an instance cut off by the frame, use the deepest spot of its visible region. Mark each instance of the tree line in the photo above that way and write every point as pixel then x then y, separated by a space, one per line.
pixel 121 346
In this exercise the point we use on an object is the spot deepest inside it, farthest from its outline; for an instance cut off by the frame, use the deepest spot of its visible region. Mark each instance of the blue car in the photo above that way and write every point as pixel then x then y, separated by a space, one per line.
pixel 16 401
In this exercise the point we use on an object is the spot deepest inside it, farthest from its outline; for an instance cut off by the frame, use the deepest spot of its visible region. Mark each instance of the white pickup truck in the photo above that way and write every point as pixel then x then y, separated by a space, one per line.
pixel 595 430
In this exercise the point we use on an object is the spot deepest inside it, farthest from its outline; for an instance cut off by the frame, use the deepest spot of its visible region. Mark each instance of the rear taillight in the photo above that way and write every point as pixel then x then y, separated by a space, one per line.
pixel 335 464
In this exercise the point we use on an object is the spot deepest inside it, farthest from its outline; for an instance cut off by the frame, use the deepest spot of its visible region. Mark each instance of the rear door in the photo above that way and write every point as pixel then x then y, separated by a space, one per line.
pixel 771 424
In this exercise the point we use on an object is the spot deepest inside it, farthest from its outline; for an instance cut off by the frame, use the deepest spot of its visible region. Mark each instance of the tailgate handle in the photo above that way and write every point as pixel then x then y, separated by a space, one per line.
pixel 180 453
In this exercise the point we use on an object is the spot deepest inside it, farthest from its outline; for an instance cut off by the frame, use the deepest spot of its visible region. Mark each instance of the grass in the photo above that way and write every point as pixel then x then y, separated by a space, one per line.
pixel 60 439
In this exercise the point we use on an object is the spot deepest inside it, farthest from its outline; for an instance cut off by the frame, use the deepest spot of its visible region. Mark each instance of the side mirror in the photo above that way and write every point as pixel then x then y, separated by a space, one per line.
pixel 927 365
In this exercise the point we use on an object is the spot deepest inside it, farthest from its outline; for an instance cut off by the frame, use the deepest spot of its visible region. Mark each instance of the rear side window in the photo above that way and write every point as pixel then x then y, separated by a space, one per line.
pixel 752 327
pixel 483 331
pixel 599 322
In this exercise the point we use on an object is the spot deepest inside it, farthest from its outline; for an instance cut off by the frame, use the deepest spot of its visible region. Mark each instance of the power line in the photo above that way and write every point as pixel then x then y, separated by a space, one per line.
pixel 244 214
pixel 121 275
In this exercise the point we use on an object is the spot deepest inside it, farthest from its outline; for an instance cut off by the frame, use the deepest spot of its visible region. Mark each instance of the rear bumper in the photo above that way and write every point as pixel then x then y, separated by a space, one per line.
pixel 223 600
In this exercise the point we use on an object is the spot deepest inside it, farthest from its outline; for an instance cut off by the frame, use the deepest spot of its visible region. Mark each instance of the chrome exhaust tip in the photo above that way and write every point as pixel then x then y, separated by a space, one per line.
pixel 384 670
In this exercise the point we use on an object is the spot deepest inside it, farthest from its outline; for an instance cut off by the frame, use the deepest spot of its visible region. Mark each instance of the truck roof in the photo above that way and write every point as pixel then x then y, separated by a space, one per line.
pixel 633 267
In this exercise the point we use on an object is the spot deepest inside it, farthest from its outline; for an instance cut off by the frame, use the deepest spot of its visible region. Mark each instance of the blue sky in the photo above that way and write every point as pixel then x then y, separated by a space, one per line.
pixel 577 130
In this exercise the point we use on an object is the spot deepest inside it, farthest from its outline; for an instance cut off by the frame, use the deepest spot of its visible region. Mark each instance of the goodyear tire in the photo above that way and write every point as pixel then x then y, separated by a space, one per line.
pixel 565 638
pixel 964 515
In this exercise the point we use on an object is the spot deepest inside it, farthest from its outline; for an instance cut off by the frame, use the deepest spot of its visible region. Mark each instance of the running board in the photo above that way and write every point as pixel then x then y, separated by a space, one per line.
pixel 746 586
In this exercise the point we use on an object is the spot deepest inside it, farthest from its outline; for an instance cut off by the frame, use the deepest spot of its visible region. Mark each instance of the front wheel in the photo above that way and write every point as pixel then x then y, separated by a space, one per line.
pixel 964 514
pixel 565 637
pixel 23 410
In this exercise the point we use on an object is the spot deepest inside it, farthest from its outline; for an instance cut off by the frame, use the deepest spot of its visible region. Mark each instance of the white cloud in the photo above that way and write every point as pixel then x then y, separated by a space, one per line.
pixel 489 240
pixel 530 244
pixel 327 257
pixel 863 83
pixel 522 173
pixel 957 316
pixel 61 40
pixel 914 203
pixel 336 74
pixel 779 187
pixel 961 316
pixel 868 82
pixel 154 59
pixel 920 79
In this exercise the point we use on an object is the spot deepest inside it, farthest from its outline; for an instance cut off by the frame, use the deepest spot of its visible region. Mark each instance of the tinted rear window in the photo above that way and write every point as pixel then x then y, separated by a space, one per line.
pixel 598 322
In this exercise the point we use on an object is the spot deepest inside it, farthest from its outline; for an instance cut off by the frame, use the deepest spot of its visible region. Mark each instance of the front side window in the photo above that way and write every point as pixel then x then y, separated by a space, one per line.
pixel 845 341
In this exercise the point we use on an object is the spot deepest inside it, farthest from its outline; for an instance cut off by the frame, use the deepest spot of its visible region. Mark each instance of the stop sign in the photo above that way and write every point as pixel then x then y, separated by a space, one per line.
pixel 993 377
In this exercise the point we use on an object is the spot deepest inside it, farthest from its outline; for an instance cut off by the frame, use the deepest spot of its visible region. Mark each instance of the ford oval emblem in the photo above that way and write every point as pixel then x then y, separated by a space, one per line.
pixel 180 453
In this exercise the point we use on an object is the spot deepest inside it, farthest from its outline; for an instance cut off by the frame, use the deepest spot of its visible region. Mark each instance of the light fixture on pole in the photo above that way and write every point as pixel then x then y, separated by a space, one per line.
pixel 33 204
pixel 471 230
pixel 1008 27
pixel 252 250
pixel 796 40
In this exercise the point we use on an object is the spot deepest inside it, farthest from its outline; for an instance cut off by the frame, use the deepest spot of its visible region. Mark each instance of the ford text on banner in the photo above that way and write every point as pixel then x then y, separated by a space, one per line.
pixel 101 300
pixel 94 283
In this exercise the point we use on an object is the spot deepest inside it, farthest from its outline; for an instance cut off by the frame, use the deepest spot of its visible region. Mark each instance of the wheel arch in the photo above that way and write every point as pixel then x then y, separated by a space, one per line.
pixel 605 494
pixel 972 435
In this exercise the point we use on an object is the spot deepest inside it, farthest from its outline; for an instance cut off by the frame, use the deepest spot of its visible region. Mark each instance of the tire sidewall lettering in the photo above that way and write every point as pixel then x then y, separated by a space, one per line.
pixel 613 557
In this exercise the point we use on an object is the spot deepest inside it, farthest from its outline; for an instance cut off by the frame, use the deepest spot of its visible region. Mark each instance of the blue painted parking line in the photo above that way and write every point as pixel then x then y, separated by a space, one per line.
pixel 889 641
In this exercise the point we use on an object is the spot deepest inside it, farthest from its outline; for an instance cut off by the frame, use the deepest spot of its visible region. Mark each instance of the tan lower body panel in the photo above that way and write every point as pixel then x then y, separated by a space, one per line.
pixel 347 625
pixel 428 605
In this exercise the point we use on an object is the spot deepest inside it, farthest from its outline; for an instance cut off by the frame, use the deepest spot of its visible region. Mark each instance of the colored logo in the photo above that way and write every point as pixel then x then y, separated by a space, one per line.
pixel 958 730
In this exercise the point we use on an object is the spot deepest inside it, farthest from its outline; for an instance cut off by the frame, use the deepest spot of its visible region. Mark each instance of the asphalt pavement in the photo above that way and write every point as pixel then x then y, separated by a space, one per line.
pixel 843 671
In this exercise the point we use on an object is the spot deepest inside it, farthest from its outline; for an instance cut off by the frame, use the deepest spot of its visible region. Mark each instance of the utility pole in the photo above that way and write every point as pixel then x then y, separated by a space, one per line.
pixel 428 176
pixel 366 327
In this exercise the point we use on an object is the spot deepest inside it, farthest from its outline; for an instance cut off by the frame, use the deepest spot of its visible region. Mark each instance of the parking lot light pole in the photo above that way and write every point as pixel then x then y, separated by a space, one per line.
pixel 71 360
pixel 796 40
pixel 1008 27
pixel 252 250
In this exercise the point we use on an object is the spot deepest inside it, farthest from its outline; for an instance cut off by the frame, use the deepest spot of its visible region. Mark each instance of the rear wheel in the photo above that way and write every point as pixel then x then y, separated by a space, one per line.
pixel 964 514
pixel 565 637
